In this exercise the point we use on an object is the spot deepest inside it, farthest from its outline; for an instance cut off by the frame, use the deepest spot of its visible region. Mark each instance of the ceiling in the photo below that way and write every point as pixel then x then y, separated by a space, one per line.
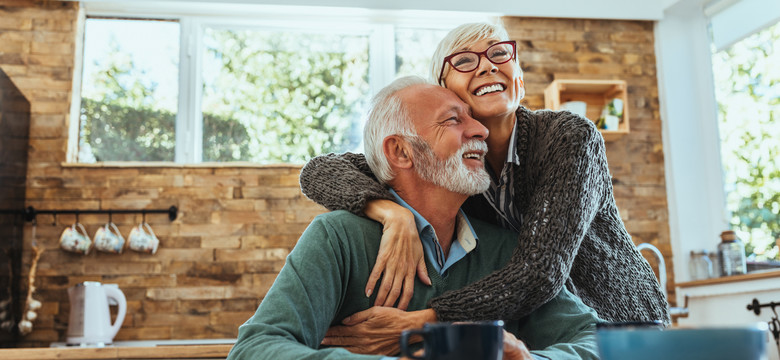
pixel 593 9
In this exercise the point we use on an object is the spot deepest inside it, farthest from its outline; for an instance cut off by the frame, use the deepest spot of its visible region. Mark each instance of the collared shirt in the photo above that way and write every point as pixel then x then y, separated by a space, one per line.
pixel 502 188
pixel 465 238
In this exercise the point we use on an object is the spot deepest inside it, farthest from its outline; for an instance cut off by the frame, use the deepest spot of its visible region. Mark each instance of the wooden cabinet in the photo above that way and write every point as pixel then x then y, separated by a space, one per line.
pixel 596 94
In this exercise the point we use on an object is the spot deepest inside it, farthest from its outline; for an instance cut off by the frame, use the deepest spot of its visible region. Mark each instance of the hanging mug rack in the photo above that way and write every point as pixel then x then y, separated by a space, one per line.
pixel 30 212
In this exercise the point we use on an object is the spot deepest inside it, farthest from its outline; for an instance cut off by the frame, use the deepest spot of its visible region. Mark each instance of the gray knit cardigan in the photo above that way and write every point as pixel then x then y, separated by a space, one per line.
pixel 571 230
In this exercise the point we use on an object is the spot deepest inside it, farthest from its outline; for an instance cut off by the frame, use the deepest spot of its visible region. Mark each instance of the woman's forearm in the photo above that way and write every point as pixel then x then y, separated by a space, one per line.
pixel 341 182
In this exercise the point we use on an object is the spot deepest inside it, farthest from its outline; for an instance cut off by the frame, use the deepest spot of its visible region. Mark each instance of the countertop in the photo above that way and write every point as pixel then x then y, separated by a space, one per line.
pixel 208 351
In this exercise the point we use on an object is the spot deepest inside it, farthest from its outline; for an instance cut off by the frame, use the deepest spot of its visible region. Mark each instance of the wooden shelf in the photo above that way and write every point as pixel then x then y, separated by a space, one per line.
pixel 763 274
pixel 595 93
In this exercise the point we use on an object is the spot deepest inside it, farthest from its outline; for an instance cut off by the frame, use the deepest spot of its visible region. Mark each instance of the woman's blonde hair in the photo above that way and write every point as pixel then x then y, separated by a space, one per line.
pixel 458 39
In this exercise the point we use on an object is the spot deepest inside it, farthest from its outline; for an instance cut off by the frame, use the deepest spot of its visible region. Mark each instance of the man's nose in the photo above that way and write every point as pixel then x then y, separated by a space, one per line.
pixel 475 129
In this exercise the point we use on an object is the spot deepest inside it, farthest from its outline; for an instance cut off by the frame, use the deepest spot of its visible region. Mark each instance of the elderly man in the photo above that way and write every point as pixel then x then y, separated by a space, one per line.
pixel 421 140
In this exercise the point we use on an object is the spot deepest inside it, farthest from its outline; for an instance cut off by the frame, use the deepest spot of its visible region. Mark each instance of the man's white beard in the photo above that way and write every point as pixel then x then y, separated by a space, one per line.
pixel 451 174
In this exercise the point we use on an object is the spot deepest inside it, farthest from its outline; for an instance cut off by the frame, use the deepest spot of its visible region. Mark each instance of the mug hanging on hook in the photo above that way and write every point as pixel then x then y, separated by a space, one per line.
pixel 75 238
pixel 108 238
pixel 142 237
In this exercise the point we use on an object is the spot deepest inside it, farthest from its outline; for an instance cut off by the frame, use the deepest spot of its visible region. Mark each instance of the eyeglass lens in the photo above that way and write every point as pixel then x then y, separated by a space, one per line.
pixel 467 60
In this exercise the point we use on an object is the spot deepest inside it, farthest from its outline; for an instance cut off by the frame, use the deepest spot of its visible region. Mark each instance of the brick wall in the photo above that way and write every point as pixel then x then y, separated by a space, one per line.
pixel 237 224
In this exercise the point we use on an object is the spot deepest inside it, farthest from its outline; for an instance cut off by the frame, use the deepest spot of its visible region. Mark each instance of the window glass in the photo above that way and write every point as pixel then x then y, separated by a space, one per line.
pixel 129 90
pixel 282 96
pixel 747 82
pixel 414 48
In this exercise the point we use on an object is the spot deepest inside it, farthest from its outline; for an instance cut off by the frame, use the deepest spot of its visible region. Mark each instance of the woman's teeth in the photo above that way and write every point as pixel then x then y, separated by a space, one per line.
pixel 489 89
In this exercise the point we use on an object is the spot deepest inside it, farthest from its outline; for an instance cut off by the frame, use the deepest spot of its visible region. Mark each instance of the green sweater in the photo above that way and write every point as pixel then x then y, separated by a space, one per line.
pixel 324 277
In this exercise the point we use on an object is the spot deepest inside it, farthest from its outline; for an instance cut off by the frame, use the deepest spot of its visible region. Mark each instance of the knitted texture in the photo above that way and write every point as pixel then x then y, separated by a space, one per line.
pixel 571 230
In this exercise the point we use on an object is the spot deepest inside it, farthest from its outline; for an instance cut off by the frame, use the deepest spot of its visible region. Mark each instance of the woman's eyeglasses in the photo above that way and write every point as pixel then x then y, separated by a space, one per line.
pixel 466 61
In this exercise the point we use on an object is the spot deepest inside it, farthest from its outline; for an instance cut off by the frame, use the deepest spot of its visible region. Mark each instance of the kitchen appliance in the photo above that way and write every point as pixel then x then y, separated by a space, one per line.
pixel 90 319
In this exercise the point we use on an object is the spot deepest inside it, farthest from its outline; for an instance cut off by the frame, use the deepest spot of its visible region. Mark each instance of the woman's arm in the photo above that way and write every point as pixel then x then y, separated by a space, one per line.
pixel 341 182
pixel 345 181
pixel 568 193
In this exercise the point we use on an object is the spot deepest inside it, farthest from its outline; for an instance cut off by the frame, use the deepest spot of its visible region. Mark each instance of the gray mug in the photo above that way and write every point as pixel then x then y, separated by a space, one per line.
pixel 457 341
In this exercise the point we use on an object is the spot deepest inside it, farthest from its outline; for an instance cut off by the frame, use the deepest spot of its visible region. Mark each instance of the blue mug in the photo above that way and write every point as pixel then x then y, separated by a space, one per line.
pixel 457 341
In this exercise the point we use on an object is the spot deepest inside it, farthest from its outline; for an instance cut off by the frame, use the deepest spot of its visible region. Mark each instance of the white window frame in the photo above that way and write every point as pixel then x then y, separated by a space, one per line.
pixel 193 18
pixel 689 118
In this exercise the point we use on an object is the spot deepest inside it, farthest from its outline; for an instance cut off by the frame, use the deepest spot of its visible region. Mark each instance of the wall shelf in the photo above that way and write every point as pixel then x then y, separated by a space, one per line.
pixel 595 93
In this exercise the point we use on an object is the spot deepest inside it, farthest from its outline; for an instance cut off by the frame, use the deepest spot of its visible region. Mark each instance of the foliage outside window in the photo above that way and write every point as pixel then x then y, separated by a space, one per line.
pixel 129 94
pixel 289 95
pixel 747 81
pixel 266 95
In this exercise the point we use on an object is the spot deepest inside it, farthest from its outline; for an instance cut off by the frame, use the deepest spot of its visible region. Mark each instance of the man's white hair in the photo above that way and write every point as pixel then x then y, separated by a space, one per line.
pixel 458 39
pixel 387 116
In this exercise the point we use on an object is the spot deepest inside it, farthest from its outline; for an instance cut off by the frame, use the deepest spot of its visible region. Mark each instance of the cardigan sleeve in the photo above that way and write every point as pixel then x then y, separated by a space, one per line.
pixel 341 182
pixel 569 190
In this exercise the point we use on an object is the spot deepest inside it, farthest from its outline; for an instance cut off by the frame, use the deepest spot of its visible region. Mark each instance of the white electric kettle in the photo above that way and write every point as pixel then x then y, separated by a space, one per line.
pixel 90 320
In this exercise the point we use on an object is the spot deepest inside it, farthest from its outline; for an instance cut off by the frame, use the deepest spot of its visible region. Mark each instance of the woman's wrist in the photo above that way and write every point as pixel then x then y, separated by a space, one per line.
pixel 383 210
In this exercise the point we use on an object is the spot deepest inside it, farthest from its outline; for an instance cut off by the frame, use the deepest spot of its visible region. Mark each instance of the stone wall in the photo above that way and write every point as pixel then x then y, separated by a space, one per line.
pixel 237 223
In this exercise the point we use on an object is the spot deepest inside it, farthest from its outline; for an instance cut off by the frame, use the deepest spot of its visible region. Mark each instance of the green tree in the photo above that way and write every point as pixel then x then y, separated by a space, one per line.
pixel 298 94
pixel 748 91
pixel 120 118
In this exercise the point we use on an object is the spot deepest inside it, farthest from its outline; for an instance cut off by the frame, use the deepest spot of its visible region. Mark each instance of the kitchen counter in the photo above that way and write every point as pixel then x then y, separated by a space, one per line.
pixel 210 351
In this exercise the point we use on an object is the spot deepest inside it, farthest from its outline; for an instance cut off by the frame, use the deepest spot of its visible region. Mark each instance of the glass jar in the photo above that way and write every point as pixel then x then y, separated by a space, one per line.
pixel 731 254
pixel 700 265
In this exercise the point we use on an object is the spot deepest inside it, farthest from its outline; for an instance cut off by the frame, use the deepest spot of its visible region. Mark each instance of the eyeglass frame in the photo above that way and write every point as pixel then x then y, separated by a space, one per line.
pixel 479 57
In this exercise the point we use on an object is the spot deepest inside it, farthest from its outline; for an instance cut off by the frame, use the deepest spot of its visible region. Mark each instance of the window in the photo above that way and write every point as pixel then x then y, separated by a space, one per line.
pixel 272 96
pixel 129 94
pixel 747 82
pixel 194 89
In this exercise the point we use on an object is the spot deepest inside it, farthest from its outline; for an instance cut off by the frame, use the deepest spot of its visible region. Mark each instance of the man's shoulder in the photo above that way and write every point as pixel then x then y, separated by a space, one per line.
pixel 492 233
pixel 346 223
pixel 342 216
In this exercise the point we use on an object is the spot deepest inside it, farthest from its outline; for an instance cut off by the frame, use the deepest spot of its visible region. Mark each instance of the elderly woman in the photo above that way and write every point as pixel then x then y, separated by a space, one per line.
pixel 550 183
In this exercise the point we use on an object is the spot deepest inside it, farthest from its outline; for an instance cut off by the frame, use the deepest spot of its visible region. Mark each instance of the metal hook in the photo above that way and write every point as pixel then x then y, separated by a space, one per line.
pixel 143 216
pixel 54 221
pixel 109 216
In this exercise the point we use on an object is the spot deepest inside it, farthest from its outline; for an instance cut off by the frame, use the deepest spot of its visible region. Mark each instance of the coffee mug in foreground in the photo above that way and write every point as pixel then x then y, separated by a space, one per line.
pixel 109 239
pixel 143 239
pixel 75 239
pixel 457 341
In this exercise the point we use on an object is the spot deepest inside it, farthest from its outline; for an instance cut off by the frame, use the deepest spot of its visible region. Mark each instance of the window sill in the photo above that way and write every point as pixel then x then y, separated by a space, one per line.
pixel 168 164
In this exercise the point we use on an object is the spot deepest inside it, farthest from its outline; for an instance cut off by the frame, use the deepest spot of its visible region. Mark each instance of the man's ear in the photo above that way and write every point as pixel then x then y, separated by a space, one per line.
pixel 397 151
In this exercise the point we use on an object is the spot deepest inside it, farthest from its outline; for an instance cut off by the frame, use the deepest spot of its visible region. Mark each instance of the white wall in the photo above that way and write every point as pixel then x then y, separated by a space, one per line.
pixel 690 133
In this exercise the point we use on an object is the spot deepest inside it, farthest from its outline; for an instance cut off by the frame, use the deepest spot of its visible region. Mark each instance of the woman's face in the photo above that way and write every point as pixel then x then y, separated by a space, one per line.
pixel 503 82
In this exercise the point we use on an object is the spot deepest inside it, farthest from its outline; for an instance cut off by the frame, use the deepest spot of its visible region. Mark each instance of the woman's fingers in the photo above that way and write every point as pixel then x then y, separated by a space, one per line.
pixel 422 272
pixel 376 273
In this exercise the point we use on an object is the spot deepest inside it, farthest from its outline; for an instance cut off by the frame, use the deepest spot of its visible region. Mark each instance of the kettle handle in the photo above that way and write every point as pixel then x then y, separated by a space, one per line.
pixel 113 292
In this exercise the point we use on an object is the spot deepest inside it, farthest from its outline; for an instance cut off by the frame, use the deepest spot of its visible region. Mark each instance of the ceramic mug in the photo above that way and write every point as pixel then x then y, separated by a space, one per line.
pixel 457 341
pixel 75 239
pixel 109 239
pixel 143 239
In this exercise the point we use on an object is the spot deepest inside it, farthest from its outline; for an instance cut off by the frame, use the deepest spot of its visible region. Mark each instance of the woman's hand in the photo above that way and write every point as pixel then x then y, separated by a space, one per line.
pixel 400 255
pixel 515 349
pixel 376 330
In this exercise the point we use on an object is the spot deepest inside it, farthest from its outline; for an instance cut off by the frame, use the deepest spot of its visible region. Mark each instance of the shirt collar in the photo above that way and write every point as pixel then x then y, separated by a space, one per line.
pixel 511 154
pixel 466 238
